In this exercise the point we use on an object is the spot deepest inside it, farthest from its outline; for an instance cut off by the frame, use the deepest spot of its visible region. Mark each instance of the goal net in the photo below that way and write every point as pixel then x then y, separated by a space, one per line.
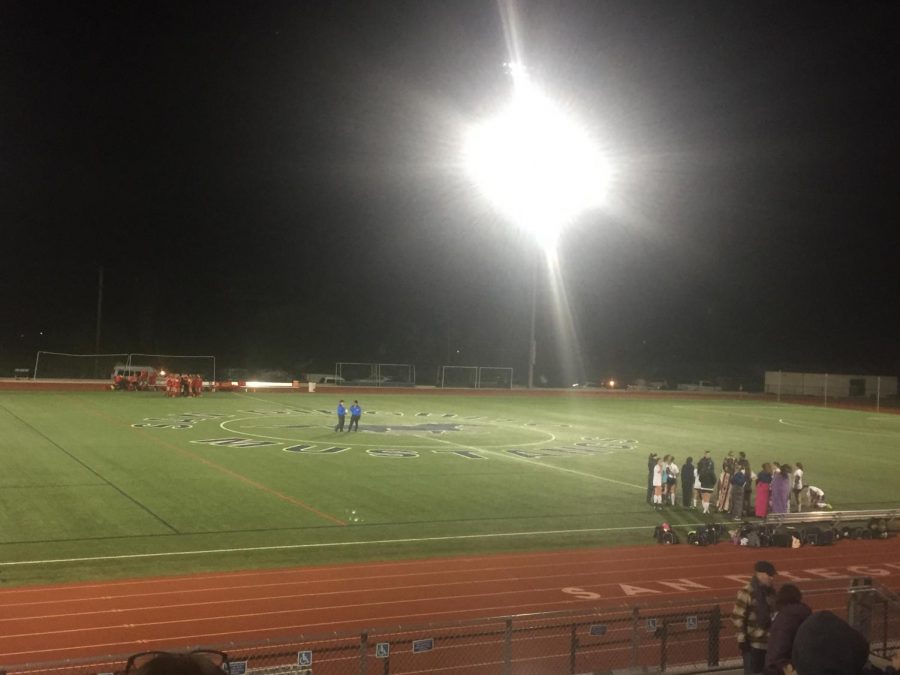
pixel 490 377
pixel 60 366
pixel 375 374
pixel 475 377
pixel 459 377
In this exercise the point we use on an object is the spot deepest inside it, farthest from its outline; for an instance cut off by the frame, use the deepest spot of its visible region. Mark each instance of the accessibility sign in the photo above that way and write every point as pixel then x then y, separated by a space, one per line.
pixel 304 658
pixel 382 650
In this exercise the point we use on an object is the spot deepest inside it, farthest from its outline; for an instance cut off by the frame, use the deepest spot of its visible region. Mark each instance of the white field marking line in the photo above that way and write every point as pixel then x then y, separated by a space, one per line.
pixel 380 620
pixel 588 577
pixel 552 467
pixel 730 407
pixel 366 445
pixel 690 565
pixel 844 430
pixel 731 414
pixel 333 544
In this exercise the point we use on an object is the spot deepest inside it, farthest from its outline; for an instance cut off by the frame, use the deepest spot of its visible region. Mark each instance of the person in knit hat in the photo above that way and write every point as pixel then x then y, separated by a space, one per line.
pixel 752 616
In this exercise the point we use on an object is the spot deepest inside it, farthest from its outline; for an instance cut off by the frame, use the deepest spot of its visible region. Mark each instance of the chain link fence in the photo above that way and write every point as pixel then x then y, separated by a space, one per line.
pixel 685 636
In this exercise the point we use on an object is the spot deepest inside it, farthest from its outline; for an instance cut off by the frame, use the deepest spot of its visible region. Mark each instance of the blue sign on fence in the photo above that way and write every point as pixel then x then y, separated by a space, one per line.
pixel 382 650
pixel 691 622
pixel 425 645
pixel 651 625
pixel 304 658
pixel 598 629
pixel 237 668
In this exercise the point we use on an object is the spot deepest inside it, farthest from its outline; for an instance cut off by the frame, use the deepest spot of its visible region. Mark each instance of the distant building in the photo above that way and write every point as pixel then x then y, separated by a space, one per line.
pixel 830 384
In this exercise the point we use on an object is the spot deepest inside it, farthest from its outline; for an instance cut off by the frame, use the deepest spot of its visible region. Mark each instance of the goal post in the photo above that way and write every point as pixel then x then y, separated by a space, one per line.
pixel 493 377
pixel 459 377
pixel 375 374
pixel 62 366
pixel 476 377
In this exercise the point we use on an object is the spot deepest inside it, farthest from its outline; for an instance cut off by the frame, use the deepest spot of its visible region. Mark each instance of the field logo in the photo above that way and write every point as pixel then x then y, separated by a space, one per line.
pixel 439 433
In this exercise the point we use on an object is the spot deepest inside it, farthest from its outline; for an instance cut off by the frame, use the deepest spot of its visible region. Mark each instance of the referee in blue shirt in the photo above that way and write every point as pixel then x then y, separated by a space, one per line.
pixel 355 412
pixel 341 413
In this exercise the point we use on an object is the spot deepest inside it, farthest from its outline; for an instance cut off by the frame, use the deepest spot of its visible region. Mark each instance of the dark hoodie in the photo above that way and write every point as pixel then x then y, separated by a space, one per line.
pixel 826 644
pixel 781 636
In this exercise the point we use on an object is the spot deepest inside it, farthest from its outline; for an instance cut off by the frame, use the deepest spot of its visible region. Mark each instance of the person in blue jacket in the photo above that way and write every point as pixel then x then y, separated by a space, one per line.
pixel 341 413
pixel 355 412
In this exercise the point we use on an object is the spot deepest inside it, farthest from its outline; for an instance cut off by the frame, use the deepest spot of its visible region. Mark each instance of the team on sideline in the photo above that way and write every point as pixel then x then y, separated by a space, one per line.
pixel 780 488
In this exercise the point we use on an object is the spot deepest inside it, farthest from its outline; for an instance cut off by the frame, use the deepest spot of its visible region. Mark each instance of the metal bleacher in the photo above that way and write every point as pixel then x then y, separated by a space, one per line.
pixel 878 520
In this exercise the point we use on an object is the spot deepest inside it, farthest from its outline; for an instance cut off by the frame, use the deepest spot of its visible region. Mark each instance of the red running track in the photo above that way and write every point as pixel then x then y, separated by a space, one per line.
pixel 49 623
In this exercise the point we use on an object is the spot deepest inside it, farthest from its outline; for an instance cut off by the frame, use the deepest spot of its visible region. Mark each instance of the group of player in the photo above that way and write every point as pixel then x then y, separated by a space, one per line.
pixel 780 487
pixel 183 385
pixel 141 381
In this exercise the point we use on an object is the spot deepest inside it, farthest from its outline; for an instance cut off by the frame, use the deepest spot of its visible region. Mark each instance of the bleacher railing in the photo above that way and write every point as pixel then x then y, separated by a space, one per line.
pixel 689 635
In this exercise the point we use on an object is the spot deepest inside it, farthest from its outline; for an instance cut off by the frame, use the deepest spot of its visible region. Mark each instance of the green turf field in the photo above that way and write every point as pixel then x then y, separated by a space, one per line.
pixel 100 485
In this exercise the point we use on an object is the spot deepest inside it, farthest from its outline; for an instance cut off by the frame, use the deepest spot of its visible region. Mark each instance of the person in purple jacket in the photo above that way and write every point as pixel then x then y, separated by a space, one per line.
pixel 791 611
pixel 781 490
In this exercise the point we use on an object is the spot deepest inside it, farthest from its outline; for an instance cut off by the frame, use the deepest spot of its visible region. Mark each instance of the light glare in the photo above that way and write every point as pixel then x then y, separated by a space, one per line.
pixel 536 165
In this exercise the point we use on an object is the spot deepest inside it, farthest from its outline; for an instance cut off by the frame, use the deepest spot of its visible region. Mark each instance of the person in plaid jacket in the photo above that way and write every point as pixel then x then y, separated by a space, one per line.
pixel 752 616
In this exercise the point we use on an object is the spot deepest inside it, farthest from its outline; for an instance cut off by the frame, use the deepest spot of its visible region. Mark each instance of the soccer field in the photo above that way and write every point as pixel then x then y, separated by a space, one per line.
pixel 115 484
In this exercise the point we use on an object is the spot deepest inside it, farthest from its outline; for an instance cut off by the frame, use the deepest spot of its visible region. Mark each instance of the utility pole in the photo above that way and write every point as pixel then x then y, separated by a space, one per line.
pixel 99 311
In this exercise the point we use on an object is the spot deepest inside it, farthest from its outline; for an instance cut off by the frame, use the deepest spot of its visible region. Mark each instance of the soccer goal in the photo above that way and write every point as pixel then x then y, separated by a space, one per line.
pixel 375 374
pixel 491 377
pixel 459 377
pixel 475 377
pixel 61 366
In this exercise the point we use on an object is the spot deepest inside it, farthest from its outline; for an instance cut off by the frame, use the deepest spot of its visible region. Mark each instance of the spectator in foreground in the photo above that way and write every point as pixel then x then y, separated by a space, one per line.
pixel 752 616
pixel 199 662
pixel 825 644
pixel 791 612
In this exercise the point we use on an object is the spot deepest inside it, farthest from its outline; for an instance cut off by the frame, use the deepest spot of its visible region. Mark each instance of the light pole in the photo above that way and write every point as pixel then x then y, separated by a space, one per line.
pixel 539 168
pixel 532 344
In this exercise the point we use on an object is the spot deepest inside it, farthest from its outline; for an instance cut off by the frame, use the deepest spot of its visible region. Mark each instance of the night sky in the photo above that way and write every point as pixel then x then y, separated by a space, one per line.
pixel 279 184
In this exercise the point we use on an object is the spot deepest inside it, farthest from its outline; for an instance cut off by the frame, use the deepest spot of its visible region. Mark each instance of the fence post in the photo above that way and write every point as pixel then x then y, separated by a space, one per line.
pixel 715 630
pixel 635 615
pixel 573 649
pixel 859 609
pixel 507 647
pixel 663 644
pixel 363 653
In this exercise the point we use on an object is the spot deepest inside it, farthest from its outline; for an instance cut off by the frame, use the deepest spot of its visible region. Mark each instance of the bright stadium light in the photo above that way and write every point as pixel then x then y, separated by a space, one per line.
pixel 538 167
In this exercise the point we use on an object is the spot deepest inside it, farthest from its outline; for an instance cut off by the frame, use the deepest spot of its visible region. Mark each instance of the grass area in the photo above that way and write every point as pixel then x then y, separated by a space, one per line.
pixel 129 484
